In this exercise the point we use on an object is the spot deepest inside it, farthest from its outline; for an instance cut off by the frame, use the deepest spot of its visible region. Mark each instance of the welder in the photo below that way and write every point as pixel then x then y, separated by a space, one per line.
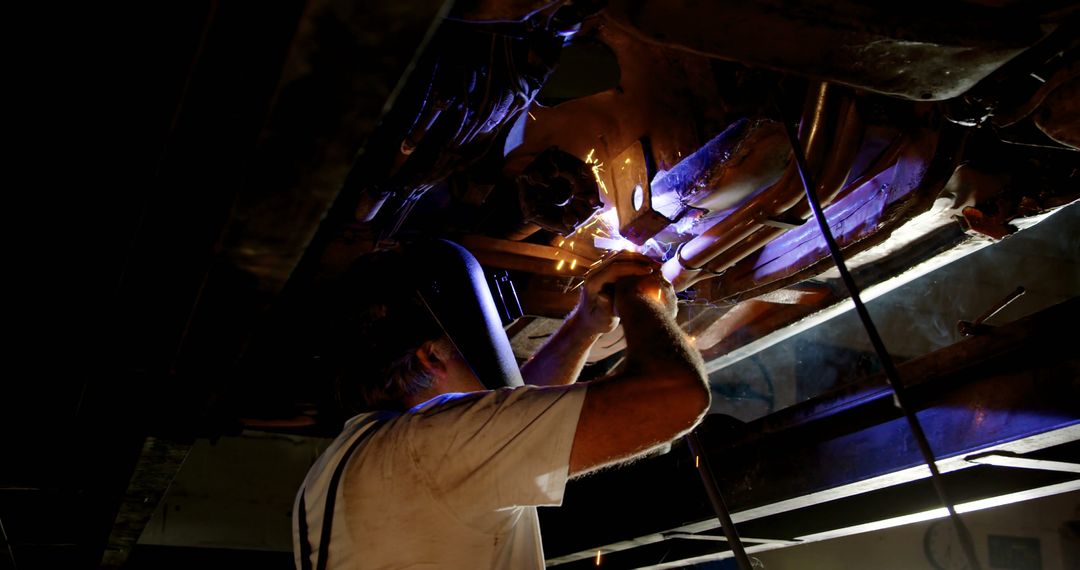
pixel 463 445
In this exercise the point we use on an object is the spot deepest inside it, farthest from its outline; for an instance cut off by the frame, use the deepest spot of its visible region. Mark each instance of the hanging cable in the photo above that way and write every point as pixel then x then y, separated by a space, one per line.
pixel 701 461
pixel 7 544
pixel 891 374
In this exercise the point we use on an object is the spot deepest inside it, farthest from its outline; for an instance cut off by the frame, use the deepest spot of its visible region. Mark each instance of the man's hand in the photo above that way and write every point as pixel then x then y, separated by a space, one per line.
pixel 562 358
pixel 652 289
pixel 595 313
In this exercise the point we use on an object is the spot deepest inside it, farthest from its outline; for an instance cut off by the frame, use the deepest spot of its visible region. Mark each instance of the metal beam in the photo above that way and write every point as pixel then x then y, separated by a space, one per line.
pixel 906 476
pixel 1003 459
pixel 912 518
pixel 1009 392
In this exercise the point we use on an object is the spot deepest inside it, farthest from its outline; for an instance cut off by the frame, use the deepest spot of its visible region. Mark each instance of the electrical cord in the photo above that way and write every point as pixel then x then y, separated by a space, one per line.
pixel 7 545
pixel 899 396
pixel 712 489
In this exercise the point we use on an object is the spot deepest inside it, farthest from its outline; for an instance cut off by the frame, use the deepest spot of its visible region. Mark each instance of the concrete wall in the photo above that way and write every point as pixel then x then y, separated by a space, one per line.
pixel 235 492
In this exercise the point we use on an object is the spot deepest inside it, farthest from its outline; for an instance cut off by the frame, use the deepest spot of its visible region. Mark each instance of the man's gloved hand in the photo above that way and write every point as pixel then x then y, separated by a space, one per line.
pixel 595 313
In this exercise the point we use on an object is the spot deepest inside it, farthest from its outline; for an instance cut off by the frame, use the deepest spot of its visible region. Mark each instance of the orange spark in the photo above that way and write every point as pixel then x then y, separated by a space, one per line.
pixel 596 165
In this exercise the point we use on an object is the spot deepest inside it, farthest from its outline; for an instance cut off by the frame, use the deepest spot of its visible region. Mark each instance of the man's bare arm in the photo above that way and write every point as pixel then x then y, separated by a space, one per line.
pixel 661 393
pixel 563 356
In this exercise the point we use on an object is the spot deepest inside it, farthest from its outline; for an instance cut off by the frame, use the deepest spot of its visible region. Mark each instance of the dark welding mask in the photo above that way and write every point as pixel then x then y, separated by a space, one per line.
pixel 453 287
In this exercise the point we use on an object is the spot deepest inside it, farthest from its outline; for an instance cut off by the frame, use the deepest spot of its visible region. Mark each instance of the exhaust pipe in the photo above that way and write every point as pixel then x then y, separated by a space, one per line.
pixel 830 132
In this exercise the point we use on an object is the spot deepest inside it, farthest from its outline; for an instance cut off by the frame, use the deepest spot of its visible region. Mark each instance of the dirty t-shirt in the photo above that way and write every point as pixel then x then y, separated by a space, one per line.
pixel 452 483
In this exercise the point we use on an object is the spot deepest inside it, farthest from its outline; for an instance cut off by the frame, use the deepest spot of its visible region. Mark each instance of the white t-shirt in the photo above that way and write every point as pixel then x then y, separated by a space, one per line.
pixel 452 483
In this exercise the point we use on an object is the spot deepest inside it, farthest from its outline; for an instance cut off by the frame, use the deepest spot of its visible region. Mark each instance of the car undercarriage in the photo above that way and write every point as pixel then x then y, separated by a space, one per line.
pixel 271 145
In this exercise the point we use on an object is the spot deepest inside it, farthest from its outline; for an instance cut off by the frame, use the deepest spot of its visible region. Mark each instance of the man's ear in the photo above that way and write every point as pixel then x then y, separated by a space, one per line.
pixel 429 356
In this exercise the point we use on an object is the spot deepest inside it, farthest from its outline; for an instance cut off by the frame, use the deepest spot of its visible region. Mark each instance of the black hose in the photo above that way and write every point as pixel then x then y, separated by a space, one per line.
pixel 899 396
pixel 7 545
pixel 701 460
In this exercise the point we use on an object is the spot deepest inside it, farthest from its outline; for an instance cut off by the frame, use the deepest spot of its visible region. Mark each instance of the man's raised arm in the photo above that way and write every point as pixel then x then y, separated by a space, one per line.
pixel 563 356
pixel 660 394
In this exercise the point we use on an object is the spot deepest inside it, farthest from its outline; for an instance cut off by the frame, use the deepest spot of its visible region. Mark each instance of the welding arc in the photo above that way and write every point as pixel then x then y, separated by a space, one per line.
pixel 891 373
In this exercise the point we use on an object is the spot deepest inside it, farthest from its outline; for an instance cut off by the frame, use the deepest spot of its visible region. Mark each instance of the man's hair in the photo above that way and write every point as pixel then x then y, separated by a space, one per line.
pixel 379 323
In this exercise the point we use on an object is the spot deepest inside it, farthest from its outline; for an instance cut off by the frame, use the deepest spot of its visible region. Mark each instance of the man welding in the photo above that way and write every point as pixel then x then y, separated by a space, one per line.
pixel 448 474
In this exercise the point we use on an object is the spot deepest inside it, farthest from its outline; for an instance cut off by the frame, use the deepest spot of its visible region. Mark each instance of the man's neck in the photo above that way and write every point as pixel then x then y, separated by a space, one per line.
pixel 443 385
pixel 421 397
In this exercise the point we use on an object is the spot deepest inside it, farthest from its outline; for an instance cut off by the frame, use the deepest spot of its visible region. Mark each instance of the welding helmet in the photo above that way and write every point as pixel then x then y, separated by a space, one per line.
pixel 452 286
